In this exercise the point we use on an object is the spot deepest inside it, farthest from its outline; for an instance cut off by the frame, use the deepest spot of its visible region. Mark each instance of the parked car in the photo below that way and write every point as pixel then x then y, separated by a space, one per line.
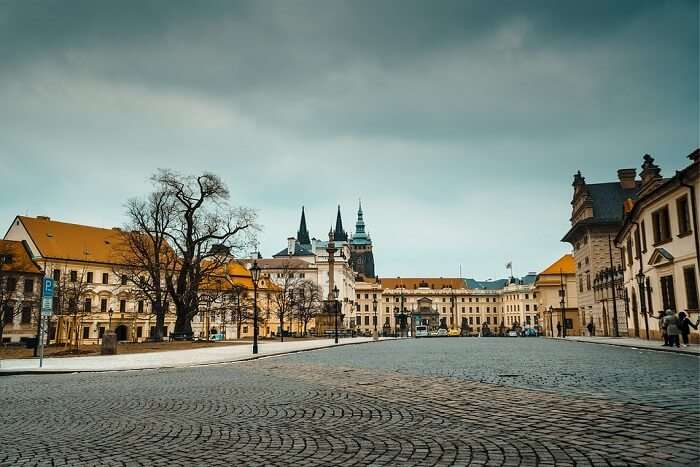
pixel 529 332
pixel 454 333
pixel 441 332
pixel 216 337
pixel 512 334
pixel 421 331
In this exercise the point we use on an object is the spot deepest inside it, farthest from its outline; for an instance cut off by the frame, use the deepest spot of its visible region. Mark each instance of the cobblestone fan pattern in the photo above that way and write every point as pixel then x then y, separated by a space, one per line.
pixel 645 377
pixel 282 412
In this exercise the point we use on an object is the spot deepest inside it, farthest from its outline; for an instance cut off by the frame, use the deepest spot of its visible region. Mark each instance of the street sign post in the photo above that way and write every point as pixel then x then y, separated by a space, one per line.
pixel 45 315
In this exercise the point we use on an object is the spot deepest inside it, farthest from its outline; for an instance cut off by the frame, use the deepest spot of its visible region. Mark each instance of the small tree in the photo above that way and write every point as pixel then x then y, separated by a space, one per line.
pixel 72 301
pixel 284 295
pixel 144 256
pixel 241 306
pixel 308 302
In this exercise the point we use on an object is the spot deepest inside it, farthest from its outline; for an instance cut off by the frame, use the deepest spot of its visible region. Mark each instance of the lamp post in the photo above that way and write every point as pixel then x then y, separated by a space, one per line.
pixel 642 302
pixel 551 323
pixel 110 313
pixel 336 292
pixel 375 336
pixel 562 293
pixel 255 275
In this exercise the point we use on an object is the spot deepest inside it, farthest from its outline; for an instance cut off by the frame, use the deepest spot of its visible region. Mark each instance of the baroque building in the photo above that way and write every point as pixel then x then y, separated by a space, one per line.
pixel 557 298
pixel 596 217
pixel 660 248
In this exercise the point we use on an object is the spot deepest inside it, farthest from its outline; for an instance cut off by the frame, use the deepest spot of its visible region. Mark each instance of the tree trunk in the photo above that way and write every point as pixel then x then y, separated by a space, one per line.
pixel 182 323
pixel 305 322
pixel 2 326
pixel 282 328
pixel 160 324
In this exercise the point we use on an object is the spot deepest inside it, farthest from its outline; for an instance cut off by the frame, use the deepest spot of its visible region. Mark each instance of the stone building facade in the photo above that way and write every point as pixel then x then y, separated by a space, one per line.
pixel 596 217
pixel 659 241
pixel 554 283
pixel 20 287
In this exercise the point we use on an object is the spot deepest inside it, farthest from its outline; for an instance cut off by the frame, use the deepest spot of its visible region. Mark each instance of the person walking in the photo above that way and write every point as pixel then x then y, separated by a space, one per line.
pixel 591 329
pixel 662 326
pixel 685 325
pixel 672 325
pixel 558 329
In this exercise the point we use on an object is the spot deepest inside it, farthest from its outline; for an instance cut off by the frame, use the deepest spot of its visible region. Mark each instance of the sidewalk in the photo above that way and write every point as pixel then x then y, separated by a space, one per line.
pixel 170 359
pixel 635 343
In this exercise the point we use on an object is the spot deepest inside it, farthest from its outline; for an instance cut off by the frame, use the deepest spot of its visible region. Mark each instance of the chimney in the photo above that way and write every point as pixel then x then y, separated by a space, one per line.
pixel 43 218
pixel 651 175
pixel 627 178
pixel 291 245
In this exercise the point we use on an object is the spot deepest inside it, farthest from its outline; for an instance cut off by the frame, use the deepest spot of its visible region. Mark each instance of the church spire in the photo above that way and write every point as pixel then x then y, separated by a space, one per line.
pixel 303 233
pixel 340 235
pixel 360 224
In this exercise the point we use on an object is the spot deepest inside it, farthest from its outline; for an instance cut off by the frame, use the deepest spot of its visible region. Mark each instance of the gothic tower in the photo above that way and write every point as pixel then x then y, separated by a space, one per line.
pixel 303 233
pixel 361 256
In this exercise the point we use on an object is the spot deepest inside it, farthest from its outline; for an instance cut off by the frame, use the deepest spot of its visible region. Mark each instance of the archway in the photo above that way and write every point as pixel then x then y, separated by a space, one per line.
pixel 121 332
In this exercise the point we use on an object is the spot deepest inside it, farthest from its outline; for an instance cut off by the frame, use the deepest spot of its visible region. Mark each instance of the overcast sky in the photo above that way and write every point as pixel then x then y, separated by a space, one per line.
pixel 459 124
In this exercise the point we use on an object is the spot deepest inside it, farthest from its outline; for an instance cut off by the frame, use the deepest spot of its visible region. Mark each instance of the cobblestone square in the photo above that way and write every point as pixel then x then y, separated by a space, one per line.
pixel 410 403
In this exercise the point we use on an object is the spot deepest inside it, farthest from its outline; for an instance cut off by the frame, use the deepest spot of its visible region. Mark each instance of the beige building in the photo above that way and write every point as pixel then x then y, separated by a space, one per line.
pixel 659 244
pixel 596 217
pixel 557 298
pixel 520 305
pixel 84 260
pixel 20 287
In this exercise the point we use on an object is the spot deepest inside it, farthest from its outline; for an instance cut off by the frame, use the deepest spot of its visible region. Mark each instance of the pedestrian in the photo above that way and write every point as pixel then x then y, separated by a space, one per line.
pixel 590 328
pixel 672 325
pixel 662 326
pixel 685 325
pixel 558 329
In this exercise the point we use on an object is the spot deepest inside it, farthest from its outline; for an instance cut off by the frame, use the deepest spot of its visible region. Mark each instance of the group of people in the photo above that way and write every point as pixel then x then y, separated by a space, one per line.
pixel 676 325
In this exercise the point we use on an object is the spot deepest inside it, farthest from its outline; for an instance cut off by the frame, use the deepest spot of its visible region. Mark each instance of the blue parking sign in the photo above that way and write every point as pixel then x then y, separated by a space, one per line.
pixel 48 287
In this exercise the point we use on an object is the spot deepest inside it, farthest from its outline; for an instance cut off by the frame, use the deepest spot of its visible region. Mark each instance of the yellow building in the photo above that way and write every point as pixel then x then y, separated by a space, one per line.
pixel 557 298
pixel 20 285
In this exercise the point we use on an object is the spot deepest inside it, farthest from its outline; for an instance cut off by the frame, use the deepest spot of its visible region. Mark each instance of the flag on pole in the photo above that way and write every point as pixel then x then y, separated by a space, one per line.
pixel 509 265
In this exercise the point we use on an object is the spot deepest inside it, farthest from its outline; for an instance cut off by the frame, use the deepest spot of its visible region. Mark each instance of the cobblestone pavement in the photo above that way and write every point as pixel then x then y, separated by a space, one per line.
pixel 332 407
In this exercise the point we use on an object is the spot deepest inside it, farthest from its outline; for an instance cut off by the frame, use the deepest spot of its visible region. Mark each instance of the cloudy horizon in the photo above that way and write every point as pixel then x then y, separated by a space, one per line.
pixel 458 124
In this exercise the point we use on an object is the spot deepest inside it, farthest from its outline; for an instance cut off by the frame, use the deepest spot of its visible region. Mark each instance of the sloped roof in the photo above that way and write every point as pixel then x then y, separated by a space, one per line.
pixel 486 285
pixel 234 273
pixel 61 240
pixel 609 198
pixel 21 261
pixel 416 282
pixel 299 250
pixel 565 264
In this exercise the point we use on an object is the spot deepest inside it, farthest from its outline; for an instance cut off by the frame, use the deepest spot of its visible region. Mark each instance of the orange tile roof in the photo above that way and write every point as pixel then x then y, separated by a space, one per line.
pixel 565 264
pixel 61 240
pixel 415 282
pixel 21 261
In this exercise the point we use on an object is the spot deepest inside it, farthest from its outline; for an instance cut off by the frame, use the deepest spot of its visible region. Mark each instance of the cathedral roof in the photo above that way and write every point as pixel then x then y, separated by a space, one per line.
pixel 303 233
pixel 339 234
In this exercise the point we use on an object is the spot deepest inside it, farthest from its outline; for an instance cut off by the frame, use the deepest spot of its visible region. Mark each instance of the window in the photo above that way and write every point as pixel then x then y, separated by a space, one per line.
pixel 358 320
pixel 139 332
pixel 588 281
pixel 103 305
pixel 74 276
pixel 691 287
pixel 667 294
pixel 527 307
pixel 87 305
pixel 366 320
pixel 478 320
pixel 366 296
pixel 644 237
pixel 366 307
pixel 140 306
pixel 29 286
pixel 86 332
pixel 661 225
pixel 124 278
pixel 122 306
pixel 637 244
pixel 534 307
pixel 56 275
pixel 89 277
pixel 244 331
pixel 580 283
pixel 527 297
pixel 11 284
pixel 26 315
pixel 105 278
pixel 629 251
pixel 357 306
pixel 8 316
pixel 683 215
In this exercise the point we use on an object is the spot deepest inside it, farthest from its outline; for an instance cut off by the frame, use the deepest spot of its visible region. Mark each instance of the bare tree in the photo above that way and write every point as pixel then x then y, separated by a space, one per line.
pixel 285 295
pixel 308 302
pixel 144 255
pixel 72 302
pixel 241 306
pixel 205 232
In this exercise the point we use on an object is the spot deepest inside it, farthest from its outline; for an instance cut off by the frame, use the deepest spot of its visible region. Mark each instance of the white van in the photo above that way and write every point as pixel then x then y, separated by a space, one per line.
pixel 421 331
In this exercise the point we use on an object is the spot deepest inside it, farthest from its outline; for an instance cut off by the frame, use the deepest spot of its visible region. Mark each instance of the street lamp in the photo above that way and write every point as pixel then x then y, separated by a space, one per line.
pixel 374 308
pixel 255 275
pixel 110 313
pixel 551 323
pixel 336 292
pixel 642 301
